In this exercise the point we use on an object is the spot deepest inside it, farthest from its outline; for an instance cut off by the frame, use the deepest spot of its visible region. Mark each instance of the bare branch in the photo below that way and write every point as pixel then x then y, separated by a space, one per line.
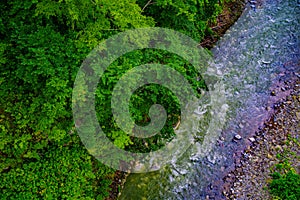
pixel 147 4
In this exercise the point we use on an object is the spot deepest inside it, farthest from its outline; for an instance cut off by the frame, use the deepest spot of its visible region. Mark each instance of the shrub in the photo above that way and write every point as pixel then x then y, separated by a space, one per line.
pixel 286 186
pixel 285 182
pixel 60 172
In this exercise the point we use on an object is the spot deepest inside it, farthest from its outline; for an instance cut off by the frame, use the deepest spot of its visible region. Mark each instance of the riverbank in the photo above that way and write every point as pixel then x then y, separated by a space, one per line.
pixel 253 166
pixel 231 12
pixel 251 176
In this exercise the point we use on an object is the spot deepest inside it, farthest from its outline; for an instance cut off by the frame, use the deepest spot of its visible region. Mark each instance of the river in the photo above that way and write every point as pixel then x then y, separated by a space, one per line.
pixel 258 51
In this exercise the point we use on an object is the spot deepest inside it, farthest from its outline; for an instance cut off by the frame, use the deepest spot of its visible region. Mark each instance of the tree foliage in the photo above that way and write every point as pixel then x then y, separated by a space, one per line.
pixel 191 17
pixel 42 45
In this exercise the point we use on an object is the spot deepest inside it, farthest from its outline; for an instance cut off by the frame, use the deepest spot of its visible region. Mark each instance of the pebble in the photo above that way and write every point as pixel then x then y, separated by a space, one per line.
pixel 252 139
pixel 269 156
pixel 298 115
pixel 273 93
pixel 263 61
pixel 238 137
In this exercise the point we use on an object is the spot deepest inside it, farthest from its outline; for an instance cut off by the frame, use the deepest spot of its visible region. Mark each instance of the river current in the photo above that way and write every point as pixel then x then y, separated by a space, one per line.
pixel 260 50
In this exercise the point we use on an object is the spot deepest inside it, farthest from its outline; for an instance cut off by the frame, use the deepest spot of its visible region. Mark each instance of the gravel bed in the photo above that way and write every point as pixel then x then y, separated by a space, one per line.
pixel 251 176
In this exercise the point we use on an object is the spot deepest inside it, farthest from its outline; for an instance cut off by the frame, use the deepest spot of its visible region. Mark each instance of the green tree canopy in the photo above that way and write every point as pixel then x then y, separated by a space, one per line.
pixel 42 45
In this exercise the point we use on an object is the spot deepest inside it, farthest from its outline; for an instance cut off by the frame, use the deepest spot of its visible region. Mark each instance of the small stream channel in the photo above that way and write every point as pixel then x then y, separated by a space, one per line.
pixel 260 50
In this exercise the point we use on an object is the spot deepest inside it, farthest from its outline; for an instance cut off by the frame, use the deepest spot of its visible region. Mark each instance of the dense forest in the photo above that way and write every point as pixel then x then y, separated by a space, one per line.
pixel 42 45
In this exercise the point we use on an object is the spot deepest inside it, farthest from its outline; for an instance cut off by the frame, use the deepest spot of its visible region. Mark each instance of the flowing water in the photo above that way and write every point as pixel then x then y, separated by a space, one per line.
pixel 257 53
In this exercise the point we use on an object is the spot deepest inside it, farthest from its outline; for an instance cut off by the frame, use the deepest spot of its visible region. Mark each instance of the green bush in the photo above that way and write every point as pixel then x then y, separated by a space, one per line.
pixel 286 186
pixel 60 172
pixel 285 183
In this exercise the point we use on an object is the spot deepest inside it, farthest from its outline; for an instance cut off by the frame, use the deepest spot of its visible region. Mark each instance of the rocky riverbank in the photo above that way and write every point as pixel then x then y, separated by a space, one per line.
pixel 251 176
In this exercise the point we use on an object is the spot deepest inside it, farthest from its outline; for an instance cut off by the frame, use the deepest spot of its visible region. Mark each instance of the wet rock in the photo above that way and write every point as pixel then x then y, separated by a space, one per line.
pixel 273 93
pixel 268 108
pixel 252 6
pixel 264 61
pixel 237 137
pixel 252 139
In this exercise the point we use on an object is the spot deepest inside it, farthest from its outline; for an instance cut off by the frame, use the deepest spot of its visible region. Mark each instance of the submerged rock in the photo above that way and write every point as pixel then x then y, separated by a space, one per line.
pixel 237 137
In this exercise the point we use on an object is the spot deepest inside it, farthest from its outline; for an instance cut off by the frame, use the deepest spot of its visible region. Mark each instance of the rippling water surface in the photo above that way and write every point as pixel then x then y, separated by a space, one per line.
pixel 258 51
